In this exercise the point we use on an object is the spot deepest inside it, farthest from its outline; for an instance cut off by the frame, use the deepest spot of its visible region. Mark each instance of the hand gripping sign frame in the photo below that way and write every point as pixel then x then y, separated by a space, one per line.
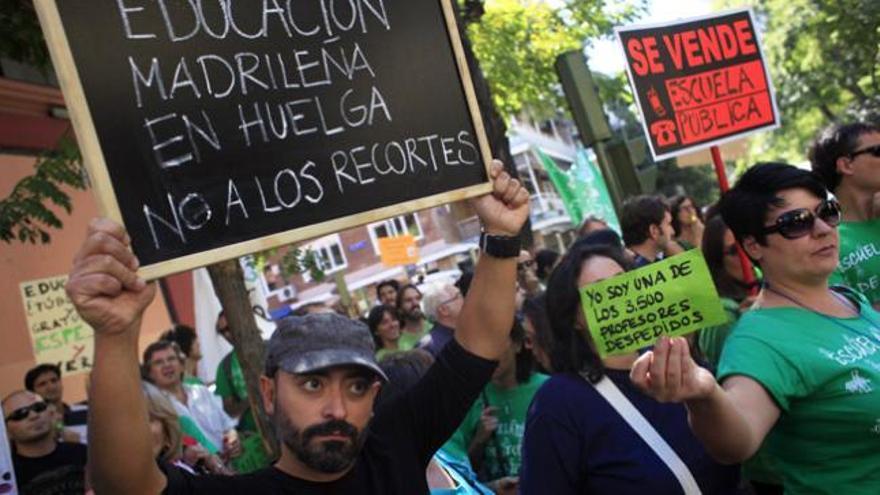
pixel 109 201
pixel 672 55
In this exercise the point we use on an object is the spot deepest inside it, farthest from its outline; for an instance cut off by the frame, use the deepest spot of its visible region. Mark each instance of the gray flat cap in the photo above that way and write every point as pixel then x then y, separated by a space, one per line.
pixel 318 341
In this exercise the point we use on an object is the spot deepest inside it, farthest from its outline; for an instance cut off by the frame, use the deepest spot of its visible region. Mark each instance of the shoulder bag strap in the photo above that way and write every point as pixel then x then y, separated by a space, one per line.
pixel 637 422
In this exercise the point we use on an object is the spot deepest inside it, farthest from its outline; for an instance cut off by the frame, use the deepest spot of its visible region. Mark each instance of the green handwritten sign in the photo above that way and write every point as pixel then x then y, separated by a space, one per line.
pixel 631 311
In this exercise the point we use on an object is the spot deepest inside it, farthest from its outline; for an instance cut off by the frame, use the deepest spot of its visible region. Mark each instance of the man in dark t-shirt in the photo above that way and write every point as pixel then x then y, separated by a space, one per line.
pixel 320 380
pixel 647 229
pixel 42 465
pixel 45 381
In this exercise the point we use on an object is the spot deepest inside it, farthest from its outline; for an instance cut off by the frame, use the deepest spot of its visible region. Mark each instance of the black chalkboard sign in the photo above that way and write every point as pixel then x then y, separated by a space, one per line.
pixel 216 128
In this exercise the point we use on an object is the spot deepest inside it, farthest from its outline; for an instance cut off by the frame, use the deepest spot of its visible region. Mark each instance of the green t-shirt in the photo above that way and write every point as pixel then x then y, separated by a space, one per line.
pixel 230 383
pixel 409 340
pixel 511 407
pixel 859 266
pixel 711 340
pixel 824 375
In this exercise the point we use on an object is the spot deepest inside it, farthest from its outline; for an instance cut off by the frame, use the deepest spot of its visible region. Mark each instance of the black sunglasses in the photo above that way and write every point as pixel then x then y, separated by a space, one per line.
pixel 871 150
pixel 798 223
pixel 23 412
pixel 731 250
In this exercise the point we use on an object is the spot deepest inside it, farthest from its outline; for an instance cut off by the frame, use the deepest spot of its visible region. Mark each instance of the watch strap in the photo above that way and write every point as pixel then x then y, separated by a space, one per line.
pixel 500 246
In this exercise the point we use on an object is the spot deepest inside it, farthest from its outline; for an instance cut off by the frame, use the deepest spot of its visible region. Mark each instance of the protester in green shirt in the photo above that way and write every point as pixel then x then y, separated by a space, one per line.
pixel 719 250
pixel 230 383
pixel 415 324
pixel 799 371
pixel 847 158
pixel 491 433
pixel 385 328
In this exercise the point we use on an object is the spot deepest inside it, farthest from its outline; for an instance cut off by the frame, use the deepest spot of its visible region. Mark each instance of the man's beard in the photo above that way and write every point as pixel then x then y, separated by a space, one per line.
pixel 327 456
pixel 414 315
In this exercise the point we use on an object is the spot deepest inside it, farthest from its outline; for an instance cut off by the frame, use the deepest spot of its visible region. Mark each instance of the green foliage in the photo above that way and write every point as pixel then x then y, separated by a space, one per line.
pixel 25 215
pixel 294 260
pixel 618 102
pixel 517 42
pixel 21 38
pixel 824 59
pixel 698 182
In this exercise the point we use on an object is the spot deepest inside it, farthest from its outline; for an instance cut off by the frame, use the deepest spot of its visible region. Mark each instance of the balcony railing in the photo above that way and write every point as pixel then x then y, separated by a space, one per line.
pixel 545 205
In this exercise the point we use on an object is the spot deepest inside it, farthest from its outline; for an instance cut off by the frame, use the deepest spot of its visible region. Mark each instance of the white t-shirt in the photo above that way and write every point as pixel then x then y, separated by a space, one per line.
pixel 206 410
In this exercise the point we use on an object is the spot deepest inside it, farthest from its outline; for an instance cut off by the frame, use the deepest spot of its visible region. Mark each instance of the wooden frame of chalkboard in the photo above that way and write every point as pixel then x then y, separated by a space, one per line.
pixel 96 147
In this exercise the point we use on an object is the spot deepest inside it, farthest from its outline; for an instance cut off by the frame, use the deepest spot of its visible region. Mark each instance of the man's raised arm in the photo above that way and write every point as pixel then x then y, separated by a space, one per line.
pixel 485 320
pixel 110 297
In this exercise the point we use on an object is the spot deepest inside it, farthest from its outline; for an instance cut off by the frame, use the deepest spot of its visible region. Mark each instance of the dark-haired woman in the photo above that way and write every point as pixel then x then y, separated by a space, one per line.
pixel 719 251
pixel 589 430
pixel 385 328
pixel 537 327
pixel 686 222
pixel 798 376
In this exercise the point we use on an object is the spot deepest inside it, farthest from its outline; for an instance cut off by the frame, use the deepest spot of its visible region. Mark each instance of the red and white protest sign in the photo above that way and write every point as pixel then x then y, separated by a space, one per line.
pixel 699 82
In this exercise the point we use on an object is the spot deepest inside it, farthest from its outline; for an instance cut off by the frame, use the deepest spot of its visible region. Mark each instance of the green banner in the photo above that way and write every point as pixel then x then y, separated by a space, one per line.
pixel 582 189
pixel 672 297
pixel 593 192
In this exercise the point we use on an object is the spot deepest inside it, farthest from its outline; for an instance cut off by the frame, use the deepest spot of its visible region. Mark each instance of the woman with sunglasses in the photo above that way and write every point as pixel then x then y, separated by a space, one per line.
pixel 799 372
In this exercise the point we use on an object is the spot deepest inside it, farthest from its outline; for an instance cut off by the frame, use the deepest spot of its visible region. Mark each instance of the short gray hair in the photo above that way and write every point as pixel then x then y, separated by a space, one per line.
pixel 434 296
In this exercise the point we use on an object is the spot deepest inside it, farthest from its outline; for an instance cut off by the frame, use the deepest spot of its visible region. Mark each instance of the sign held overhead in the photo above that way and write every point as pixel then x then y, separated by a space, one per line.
pixel 215 129
pixel 699 82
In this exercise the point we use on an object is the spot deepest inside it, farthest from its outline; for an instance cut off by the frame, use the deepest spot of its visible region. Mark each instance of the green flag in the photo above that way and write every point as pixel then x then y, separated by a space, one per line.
pixel 582 189
pixel 594 196
pixel 562 182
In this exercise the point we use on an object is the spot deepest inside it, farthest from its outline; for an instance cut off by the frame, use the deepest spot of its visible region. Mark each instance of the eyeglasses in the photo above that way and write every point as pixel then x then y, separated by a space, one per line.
pixel 871 150
pixel 451 299
pixel 730 250
pixel 23 412
pixel 798 223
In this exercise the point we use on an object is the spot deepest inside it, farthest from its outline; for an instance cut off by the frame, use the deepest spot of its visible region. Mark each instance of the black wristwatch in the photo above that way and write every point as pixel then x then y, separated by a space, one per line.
pixel 499 246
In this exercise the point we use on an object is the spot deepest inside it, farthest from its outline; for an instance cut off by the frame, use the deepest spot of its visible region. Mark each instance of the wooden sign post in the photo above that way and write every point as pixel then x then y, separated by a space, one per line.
pixel 215 129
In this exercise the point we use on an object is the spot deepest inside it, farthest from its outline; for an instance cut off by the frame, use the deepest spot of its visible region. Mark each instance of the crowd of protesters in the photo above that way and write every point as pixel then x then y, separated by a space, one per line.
pixel 493 384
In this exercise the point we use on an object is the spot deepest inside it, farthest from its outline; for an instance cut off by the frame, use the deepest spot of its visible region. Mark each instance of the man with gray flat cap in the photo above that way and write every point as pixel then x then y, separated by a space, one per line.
pixel 320 380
